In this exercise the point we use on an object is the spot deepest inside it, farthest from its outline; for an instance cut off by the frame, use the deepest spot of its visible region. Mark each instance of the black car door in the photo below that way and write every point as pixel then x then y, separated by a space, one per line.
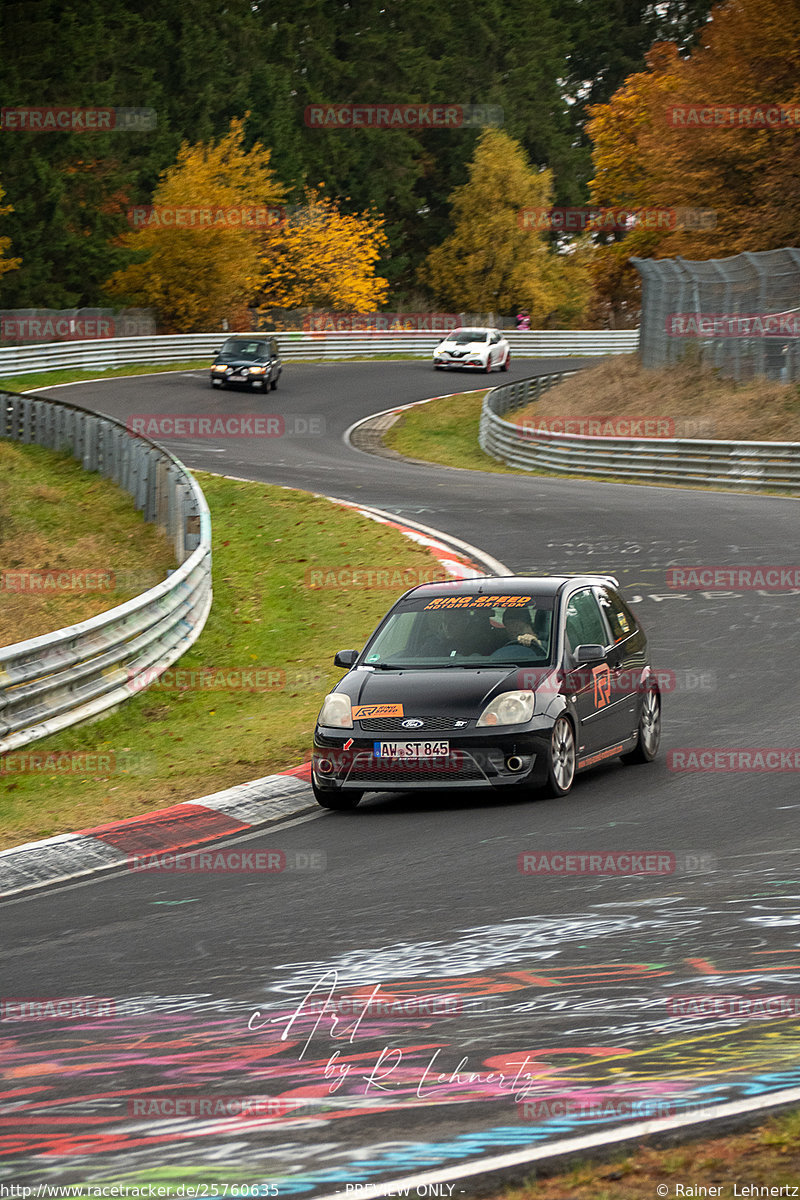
pixel 589 687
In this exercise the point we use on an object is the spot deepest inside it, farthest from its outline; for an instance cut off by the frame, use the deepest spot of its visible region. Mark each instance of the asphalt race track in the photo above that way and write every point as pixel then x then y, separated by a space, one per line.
pixel 556 1005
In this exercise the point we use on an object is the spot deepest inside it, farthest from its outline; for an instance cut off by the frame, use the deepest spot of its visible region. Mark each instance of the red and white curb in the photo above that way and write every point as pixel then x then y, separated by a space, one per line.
pixel 107 847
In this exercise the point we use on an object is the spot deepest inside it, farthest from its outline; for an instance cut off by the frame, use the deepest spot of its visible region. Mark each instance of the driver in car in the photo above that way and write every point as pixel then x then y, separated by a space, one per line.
pixel 519 632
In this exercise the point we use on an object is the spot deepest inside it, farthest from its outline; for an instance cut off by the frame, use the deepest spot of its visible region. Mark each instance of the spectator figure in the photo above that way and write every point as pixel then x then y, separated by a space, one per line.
pixel 523 319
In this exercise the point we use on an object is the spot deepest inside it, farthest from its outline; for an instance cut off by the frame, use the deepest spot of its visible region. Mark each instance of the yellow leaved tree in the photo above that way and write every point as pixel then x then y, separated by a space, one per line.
pixel 322 257
pixel 6 264
pixel 200 239
pixel 495 260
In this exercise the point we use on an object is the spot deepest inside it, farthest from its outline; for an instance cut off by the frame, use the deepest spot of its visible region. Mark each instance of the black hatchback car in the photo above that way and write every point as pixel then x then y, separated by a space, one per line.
pixel 495 683
pixel 250 361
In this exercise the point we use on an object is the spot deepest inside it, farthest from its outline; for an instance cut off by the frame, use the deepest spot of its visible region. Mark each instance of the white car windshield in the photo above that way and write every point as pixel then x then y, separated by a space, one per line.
pixel 464 336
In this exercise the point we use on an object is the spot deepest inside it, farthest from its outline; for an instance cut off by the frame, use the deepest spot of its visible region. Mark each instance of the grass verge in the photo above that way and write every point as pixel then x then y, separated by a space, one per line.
pixel 211 723
pixel 55 517
pixel 446 432
pixel 767 1156
pixel 693 402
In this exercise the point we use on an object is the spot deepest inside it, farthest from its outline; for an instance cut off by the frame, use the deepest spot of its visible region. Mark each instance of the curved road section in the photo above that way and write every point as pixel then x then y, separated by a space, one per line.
pixel 432 987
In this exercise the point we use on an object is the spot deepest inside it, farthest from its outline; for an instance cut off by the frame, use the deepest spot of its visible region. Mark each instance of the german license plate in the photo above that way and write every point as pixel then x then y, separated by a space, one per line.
pixel 410 749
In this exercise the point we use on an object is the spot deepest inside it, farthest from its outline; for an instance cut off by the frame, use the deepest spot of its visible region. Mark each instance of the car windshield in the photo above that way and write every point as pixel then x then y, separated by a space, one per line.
pixel 465 631
pixel 245 349
pixel 464 336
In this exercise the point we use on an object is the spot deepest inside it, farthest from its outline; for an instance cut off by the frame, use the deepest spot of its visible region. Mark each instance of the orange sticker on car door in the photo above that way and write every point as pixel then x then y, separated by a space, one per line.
pixel 602 685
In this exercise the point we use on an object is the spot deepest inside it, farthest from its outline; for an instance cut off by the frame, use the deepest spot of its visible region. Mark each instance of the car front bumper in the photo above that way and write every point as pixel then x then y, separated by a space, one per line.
pixel 475 761
pixel 458 362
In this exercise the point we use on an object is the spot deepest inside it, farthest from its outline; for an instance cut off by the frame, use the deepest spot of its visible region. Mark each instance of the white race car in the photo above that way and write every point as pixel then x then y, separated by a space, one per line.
pixel 474 350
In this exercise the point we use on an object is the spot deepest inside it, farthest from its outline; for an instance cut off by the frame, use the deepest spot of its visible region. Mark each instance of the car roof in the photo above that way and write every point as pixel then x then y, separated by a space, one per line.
pixel 473 329
pixel 508 585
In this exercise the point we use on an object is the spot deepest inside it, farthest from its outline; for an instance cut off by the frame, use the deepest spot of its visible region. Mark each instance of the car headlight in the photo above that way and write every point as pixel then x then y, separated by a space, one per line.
pixel 218 367
pixel 510 708
pixel 257 370
pixel 335 711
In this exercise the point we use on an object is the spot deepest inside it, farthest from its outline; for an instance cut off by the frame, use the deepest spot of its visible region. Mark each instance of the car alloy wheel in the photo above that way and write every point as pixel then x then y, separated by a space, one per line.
pixel 505 364
pixel 561 758
pixel 649 739
pixel 488 366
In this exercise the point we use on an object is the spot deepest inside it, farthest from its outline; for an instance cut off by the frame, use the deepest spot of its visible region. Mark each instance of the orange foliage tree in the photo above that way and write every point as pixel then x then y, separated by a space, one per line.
pixel 666 140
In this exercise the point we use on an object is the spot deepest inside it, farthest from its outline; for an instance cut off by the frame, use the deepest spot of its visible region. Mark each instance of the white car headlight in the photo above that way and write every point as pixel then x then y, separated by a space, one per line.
pixel 336 711
pixel 510 708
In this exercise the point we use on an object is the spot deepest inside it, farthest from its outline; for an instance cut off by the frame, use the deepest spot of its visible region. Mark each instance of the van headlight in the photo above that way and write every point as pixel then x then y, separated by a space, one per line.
pixel 510 708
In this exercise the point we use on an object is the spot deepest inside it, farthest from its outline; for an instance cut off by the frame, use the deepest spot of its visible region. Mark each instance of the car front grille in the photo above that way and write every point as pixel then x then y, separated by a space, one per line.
pixel 395 725
pixel 458 768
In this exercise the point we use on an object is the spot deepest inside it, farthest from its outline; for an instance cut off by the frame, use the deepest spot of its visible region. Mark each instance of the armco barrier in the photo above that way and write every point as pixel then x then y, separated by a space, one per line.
pixel 760 466
pixel 113 352
pixel 60 678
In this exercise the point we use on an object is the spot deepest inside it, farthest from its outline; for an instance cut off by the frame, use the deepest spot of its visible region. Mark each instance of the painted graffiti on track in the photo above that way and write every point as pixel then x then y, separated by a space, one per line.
pixel 542 1026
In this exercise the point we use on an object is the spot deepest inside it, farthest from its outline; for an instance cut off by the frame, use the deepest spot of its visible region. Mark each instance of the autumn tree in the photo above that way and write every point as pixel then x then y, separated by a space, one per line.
pixel 496 260
pixel 322 257
pixel 649 153
pixel 194 269
pixel 6 264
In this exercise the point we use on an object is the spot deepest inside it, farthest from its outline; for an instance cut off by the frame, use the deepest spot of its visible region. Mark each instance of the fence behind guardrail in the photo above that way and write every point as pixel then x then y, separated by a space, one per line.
pixel 740 314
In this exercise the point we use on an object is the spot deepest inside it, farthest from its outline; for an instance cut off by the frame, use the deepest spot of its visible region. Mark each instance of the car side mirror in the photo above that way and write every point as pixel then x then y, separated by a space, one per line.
pixel 345 658
pixel 590 652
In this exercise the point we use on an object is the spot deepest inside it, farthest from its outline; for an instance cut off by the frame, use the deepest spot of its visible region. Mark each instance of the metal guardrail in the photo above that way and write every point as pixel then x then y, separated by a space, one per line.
pixel 114 352
pixel 50 682
pixel 762 466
